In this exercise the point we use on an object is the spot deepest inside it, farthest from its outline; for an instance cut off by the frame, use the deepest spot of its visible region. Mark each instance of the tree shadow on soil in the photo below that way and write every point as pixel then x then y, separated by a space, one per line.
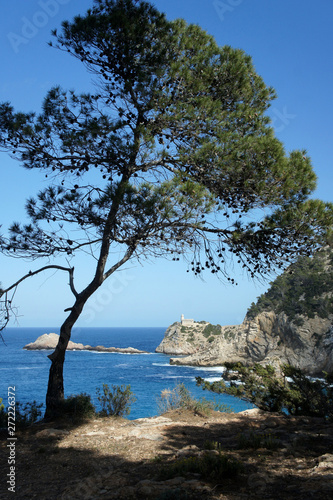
pixel 278 455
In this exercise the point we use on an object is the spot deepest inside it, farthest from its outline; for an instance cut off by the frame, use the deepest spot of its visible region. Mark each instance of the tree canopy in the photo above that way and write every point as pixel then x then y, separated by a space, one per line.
pixel 172 155
pixel 304 289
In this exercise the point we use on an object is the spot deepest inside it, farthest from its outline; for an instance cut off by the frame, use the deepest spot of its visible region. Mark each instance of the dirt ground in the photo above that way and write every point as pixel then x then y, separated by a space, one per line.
pixel 276 457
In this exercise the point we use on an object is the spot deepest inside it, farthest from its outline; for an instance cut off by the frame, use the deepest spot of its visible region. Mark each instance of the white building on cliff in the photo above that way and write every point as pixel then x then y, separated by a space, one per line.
pixel 186 322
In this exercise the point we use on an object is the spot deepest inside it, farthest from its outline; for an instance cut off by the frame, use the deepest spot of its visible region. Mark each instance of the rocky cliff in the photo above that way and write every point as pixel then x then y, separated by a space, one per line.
pixel 292 323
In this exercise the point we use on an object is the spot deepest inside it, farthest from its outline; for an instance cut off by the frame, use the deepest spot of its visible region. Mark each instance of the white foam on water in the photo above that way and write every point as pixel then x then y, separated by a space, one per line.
pixel 219 369
pixel 162 364
pixel 26 368
pixel 213 379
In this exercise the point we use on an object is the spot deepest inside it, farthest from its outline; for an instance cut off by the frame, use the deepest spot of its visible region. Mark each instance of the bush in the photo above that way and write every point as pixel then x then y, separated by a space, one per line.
pixel 115 401
pixel 255 441
pixel 181 398
pixel 293 391
pixel 28 414
pixel 210 330
pixel 3 415
pixel 25 415
pixel 210 466
pixel 78 407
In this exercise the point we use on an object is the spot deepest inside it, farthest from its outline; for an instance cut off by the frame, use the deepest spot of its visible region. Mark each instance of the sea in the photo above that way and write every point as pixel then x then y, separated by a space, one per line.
pixel 86 371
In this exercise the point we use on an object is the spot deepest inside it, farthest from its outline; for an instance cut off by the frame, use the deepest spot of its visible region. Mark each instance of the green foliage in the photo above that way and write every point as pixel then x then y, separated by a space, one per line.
pixel 28 414
pixel 211 330
pixel 256 440
pixel 307 396
pixel 3 415
pixel 25 415
pixel 212 445
pixel 181 398
pixel 77 407
pixel 210 466
pixel 115 401
pixel 175 133
pixel 181 110
pixel 293 391
pixel 305 289
pixel 190 337
pixel 229 333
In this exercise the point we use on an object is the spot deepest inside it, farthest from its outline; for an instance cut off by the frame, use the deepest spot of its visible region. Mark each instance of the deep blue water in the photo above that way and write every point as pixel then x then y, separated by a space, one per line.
pixel 148 374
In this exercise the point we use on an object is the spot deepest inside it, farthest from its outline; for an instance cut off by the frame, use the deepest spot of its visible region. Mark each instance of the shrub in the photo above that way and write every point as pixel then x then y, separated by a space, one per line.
pixel 255 441
pixel 28 414
pixel 115 401
pixel 210 466
pixel 25 415
pixel 181 398
pixel 212 445
pixel 78 407
pixel 210 330
pixel 3 415
pixel 293 391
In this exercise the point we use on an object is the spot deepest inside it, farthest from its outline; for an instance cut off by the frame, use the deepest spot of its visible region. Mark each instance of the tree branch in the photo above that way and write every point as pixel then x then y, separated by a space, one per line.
pixel 6 303
pixel 70 270
pixel 122 261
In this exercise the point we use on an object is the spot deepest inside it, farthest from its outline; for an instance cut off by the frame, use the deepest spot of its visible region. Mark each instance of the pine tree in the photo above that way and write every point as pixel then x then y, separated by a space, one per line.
pixel 172 155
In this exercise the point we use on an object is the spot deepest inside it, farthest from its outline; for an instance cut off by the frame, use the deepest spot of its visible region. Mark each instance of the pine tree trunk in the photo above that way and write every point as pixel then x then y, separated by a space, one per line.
pixel 55 389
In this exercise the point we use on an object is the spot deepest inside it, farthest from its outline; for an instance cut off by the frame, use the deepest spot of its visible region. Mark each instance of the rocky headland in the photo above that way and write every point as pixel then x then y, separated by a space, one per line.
pixel 292 323
pixel 50 340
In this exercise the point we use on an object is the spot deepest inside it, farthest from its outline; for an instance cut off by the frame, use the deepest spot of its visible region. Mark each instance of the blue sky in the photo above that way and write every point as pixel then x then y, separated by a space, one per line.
pixel 291 44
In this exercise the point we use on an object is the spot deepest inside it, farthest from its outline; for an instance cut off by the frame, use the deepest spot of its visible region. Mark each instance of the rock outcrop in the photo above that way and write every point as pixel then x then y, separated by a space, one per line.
pixel 292 323
pixel 267 339
pixel 50 340
pixel 183 340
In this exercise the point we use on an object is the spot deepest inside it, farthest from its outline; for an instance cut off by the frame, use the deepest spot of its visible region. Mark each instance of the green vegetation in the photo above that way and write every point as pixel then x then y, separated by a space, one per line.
pixel 304 289
pixel 115 401
pixel 212 445
pixel 3 415
pixel 211 330
pixel 190 337
pixel 229 333
pixel 25 415
pixel 210 466
pixel 28 414
pixel 77 408
pixel 256 440
pixel 175 131
pixel 181 398
pixel 293 392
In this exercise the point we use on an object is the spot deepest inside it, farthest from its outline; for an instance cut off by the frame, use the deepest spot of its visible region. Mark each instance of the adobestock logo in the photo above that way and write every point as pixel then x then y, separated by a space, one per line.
pixel 103 298
pixel 30 27
pixel 281 119
pixel 225 7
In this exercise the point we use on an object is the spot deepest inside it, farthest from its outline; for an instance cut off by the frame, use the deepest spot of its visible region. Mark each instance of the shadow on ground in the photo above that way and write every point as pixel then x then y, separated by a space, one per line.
pixel 279 458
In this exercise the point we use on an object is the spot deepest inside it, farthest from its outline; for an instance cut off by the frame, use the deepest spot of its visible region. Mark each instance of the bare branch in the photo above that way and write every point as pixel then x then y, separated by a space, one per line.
pixel 6 308
pixel 122 261
pixel 70 270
